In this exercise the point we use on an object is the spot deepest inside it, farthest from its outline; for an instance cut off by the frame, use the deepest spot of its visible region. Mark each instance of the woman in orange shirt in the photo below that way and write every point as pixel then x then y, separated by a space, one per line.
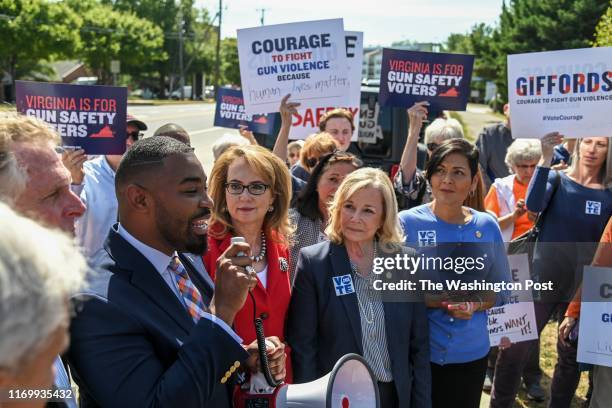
pixel 506 198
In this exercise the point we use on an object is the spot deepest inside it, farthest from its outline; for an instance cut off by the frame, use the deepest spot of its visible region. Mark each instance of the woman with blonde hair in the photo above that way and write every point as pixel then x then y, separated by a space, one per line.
pixel 251 189
pixel 575 205
pixel 335 309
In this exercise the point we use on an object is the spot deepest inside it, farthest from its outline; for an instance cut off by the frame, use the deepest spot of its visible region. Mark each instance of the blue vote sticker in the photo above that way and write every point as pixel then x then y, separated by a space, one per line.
pixel 343 285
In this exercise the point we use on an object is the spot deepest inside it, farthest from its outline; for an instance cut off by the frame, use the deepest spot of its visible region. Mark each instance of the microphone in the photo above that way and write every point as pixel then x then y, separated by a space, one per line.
pixel 259 329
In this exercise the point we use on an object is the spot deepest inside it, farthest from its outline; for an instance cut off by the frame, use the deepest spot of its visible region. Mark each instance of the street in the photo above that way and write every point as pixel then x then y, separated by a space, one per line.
pixel 196 119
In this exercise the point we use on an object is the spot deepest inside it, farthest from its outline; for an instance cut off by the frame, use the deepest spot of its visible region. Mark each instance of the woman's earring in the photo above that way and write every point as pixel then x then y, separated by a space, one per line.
pixel 271 208
pixel 472 193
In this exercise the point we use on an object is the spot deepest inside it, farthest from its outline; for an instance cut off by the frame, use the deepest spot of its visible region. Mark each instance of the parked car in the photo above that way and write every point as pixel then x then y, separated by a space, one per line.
pixel 187 90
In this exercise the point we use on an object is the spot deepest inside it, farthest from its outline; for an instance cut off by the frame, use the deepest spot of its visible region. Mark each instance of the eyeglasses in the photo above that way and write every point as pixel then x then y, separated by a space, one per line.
pixel 292 155
pixel 526 166
pixel 311 162
pixel 432 146
pixel 253 188
pixel 134 135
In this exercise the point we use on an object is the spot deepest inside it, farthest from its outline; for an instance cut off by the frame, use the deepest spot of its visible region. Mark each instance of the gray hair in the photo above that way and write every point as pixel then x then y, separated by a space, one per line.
pixel 225 142
pixel 443 129
pixel 19 129
pixel 12 176
pixel 39 270
pixel 523 150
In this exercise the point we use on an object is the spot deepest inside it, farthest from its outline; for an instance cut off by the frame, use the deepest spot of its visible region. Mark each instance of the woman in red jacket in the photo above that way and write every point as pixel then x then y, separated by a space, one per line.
pixel 251 189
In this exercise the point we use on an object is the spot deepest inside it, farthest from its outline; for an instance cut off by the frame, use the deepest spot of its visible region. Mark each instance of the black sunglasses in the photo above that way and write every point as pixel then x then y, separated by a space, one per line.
pixel 235 188
pixel 432 146
pixel 134 135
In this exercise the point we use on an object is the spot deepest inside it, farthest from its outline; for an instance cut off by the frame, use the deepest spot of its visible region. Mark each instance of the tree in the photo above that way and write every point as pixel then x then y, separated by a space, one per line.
pixel 543 25
pixel 112 35
pixel 230 67
pixel 603 33
pixel 35 31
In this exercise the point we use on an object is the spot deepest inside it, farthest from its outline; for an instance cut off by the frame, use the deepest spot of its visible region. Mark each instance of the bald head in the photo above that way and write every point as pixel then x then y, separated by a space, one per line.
pixel 175 132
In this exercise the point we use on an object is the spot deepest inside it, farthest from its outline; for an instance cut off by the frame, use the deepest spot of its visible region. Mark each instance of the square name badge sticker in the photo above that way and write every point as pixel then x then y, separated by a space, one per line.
pixel 426 238
pixel 592 208
pixel 343 285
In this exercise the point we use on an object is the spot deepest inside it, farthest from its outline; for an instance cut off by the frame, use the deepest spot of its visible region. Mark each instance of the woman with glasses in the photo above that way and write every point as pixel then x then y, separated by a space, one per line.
pixel 250 187
pixel 293 151
pixel 506 197
pixel 410 183
pixel 310 213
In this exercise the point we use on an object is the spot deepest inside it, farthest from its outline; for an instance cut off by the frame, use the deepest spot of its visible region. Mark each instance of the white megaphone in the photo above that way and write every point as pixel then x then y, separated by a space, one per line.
pixel 351 384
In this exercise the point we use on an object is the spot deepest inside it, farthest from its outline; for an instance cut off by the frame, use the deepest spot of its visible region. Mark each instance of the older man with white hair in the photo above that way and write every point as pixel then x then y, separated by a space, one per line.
pixel 33 175
pixel 39 270
pixel 34 180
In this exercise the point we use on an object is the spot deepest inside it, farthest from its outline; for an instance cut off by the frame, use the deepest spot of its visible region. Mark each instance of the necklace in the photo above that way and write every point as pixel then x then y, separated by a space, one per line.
pixel 262 252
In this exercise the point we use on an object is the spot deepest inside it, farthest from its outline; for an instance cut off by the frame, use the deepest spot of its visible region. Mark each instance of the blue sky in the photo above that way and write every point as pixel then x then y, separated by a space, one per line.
pixel 382 21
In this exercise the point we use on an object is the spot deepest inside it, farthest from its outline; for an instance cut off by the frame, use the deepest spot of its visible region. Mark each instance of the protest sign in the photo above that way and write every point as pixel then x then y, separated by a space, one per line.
pixel 306 60
pixel 230 113
pixel 595 331
pixel 411 76
pixel 515 320
pixel 561 91
pixel 87 117
pixel 306 122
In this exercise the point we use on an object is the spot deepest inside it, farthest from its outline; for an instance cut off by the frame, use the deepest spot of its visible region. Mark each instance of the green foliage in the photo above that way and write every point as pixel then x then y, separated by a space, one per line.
pixel 230 68
pixel 35 31
pixel 603 34
pixel 530 26
pixel 112 35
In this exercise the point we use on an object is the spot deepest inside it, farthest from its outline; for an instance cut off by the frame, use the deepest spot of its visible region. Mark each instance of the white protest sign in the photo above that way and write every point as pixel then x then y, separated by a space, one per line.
pixel 595 331
pixel 566 91
pixel 306 122
pixel 515 320
pixel 306 60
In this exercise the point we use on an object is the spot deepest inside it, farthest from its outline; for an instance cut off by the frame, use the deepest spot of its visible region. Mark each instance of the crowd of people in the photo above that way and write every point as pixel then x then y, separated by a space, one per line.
pixel 131 260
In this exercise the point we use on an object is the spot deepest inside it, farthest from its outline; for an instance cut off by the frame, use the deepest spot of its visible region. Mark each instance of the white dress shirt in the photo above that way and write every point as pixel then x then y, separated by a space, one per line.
pixel 98 194
pixel 161 263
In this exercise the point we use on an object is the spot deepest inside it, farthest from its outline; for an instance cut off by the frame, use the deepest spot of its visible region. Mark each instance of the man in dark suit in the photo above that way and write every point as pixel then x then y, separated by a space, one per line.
pixel 148 332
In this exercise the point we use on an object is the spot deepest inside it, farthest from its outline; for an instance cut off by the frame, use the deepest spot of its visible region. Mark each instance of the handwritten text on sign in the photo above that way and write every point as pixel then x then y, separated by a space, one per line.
pixel 230 113
pixel 515 320
pixel 305 59
pixel 306 121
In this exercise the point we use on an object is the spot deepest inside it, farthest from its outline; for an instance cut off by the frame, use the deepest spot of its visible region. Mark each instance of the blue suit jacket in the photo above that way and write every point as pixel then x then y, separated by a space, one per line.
pixel 133 344
pixel 322 327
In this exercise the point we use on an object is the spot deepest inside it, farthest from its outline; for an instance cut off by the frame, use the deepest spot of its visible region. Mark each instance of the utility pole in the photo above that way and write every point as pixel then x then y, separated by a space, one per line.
pixel 263 14
pixel 218 58
pixel 181 67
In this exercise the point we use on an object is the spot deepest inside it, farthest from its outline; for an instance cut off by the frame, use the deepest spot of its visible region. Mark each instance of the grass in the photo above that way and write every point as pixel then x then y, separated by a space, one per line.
pixel 548 359
pixel 6 107
pixel 466 131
